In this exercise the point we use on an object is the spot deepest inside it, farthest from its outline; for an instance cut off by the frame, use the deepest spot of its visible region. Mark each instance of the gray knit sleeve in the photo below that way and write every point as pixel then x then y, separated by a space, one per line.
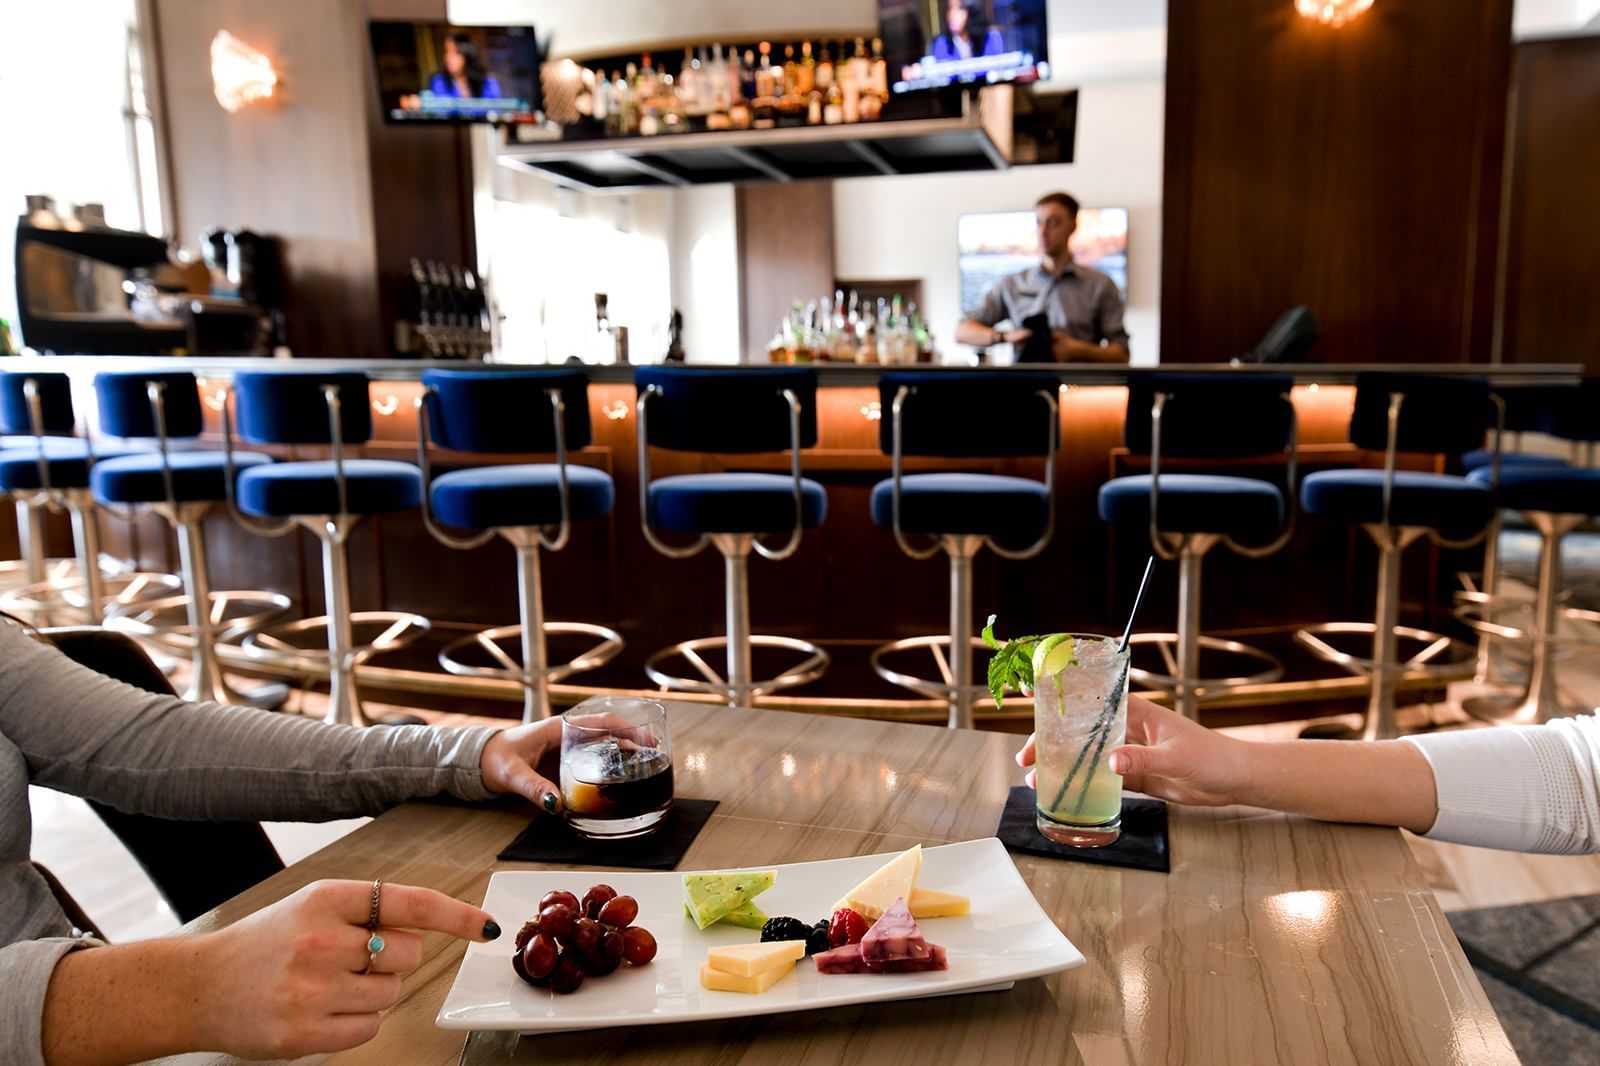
pixel 85 734
pixel 25 969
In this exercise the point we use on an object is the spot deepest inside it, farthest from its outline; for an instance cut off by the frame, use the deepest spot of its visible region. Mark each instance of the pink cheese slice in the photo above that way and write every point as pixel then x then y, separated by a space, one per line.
pixel 847 959
pixel 893 936
pixel 843 959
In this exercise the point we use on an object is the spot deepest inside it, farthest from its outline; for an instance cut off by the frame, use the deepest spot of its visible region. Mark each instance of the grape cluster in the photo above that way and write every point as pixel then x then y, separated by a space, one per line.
pixel 572 939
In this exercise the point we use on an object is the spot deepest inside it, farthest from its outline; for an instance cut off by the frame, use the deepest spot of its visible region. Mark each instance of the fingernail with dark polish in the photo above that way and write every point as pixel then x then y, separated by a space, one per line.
pixel 551 802
pixel 491 930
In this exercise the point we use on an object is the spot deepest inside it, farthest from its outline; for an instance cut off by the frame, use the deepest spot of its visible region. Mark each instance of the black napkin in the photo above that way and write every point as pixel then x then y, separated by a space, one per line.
pixel 1142 845
pixel 548 838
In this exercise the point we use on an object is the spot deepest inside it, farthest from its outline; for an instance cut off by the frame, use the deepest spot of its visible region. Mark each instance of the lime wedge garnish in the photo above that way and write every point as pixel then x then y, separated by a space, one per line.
pixel 1052 655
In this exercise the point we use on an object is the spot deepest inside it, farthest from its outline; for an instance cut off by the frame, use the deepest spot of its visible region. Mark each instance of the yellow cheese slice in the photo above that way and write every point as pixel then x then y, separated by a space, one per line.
pixel 747 960
pixel 894 880
pixel 927 903
pixel 718 981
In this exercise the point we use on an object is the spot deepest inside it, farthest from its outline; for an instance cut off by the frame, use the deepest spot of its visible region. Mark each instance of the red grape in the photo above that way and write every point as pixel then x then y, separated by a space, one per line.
pixel 557 920
pixel 558 897
pixel 586 936
pixel 526 933
pixel 607 955
pixel 639 946
pixel 568 974
pixel 596 898
pixel 620 911
pixel 539 957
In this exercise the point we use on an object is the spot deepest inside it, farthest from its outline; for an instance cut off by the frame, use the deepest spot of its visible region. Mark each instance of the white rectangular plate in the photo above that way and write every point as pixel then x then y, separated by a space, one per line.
pixel 1006 938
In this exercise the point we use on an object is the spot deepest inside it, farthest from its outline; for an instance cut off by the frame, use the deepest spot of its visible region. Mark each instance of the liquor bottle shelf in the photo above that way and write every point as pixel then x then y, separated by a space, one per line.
pixel 980 139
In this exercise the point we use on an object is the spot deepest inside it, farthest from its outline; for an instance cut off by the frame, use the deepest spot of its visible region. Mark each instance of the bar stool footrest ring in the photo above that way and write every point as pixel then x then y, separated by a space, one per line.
pixel 166 621
pixel 1434 644
pixel 937 645
pixel 488 641
pixel 1205 685
pixel 397 629
pixel 712 683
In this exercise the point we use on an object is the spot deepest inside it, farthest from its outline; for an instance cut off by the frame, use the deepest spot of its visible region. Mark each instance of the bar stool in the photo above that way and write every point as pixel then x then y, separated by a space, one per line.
pixel 1411 413
pixel 328 498
pixel 1208 417
pixel 183 487
pixel 963 415
pixel 531 505
pixel 740 411
pixel 50 472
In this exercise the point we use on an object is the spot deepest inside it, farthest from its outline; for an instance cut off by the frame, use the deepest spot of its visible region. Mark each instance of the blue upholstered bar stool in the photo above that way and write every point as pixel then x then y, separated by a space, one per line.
pixel 51 472
pixel 963 415
pixel 1555 501
pixel 730 411
pixel 1207 417
pixel 183 487
pixel 327 497
pixel 1404 413
pixel 531 505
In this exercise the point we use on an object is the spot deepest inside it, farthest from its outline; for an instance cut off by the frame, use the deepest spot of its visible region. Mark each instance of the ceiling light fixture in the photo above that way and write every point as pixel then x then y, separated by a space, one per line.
pixel 1331 12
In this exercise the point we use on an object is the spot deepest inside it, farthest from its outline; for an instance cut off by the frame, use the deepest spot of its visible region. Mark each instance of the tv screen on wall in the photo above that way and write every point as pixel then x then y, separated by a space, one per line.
pixel 933 43
pixel 436 72
pixel 993 244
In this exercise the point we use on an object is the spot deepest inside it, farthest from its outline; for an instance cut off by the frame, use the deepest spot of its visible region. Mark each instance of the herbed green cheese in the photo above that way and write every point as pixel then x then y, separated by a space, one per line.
pixel 711 897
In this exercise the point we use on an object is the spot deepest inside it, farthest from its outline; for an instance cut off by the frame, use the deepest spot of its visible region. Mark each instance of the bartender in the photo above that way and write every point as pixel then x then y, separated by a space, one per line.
pixel 1057 311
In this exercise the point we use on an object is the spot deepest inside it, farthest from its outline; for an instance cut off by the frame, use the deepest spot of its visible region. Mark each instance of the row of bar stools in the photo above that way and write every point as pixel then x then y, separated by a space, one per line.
pixel 327 497
pixel 1194 417
pixel 1397 413
pixel 972 415
pixel 533 506
pixel 50 472
pixel 183 487
pixel 740 412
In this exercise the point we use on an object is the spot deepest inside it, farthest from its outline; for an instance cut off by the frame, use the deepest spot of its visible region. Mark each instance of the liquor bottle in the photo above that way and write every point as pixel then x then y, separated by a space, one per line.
pixel 791 72
pixel 833 110
pixel 747 77
pixel 721 84
pixel 805 78
pixel 600 92
pixel 880 70
pixel 649 81
pixel 856 74
pixel 766 76
pixel 627 120
pixel 688 84
pixel 824 74
pixel 814 108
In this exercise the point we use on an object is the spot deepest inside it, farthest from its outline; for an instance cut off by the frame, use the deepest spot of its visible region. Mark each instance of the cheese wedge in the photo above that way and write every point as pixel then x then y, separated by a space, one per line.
pixel 748 960
pixel 717 981
pixel 927 903
pixel 896 879
pixel 713 896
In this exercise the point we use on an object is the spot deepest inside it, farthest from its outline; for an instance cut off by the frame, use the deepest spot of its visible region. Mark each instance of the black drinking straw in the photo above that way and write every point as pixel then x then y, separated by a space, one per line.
pixel 1102 725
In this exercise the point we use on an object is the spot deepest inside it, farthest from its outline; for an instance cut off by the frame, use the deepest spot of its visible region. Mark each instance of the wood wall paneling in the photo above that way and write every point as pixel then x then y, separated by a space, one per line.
pixel 785 242
pixel 1356 169
pixel 1550 313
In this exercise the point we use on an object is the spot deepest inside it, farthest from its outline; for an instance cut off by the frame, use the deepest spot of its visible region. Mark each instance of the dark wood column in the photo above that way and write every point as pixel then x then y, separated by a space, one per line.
pixel 1354 169
pixel 785 242
pixel 1549 312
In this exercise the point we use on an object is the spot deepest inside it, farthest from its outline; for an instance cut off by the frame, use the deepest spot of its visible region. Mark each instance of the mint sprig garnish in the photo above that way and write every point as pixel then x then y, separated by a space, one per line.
pixel 1012 664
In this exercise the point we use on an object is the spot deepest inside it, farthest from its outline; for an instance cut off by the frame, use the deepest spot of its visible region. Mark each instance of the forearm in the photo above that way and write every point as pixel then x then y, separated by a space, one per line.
pixel 1072 350
pixel 1381 783
pixel 126 1003
pixel 971 331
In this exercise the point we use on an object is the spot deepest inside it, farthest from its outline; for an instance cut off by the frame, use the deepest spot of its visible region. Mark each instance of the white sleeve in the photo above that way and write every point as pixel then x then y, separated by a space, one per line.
pixel 1521 788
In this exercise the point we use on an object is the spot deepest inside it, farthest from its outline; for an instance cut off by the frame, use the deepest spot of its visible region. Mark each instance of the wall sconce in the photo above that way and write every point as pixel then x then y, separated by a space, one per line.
pixel 872 412
pixel 616 410
pixel 387 406
pixel 240 75
pixel 1331 12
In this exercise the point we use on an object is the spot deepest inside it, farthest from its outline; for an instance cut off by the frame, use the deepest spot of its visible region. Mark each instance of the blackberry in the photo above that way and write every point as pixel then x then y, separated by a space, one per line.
pixel 784 929
pixel 817 940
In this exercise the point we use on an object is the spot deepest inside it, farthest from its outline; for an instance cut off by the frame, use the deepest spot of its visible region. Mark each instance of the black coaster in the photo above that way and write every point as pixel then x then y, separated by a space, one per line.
pixel 1142 845
pixel 548 838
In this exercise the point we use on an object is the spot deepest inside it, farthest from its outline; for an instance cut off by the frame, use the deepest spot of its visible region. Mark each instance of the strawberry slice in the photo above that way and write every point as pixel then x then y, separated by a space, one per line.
pixel 846 927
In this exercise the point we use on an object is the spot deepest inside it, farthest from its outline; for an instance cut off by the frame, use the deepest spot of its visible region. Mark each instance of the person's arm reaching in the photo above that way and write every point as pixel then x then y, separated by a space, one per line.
pixel 1108 329
pixel 1529 788
pixel 977 329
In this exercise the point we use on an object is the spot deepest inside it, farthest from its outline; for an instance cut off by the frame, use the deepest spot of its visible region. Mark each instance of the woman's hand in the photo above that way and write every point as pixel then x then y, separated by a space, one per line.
pixel 511 762
pixel 287 981
pixel 1170 757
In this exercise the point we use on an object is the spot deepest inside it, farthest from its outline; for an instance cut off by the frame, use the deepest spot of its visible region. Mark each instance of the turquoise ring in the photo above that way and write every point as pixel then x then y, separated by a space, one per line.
pixel 374 946
pixel 374 941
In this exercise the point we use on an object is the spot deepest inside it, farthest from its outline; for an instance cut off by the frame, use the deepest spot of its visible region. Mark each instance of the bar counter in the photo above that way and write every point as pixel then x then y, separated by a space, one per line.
pixel 848 587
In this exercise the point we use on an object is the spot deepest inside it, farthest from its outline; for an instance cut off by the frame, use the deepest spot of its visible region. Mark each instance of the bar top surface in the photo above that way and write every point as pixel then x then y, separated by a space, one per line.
pixel 1273 939
pixel 829 374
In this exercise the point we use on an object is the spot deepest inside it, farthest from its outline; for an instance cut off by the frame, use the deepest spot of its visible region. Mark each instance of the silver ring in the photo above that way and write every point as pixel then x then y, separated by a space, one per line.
pixel 374 941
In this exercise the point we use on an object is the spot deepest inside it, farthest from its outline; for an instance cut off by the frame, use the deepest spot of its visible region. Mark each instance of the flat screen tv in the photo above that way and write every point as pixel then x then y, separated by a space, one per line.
pixel 929 44
pixel 997 243
pixel 436 72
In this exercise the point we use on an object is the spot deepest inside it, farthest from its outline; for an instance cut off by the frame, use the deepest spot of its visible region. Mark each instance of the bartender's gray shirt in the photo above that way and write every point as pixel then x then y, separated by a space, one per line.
pixel 1080 300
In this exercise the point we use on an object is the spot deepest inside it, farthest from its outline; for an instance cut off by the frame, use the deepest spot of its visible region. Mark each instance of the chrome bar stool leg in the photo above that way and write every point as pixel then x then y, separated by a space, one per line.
pixel 86 539
pixel 1483 669
pixel 735 549
pixel 1541 702
pixel 1186 695
pixel 30 537
pixel 961 551
pixel 343 706
pixel 535 659
pixel 1380 723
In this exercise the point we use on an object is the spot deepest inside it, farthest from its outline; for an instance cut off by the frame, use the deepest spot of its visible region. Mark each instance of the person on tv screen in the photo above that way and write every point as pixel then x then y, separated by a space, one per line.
pixel 957 40
pixel 1059 311
pixel 464 74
